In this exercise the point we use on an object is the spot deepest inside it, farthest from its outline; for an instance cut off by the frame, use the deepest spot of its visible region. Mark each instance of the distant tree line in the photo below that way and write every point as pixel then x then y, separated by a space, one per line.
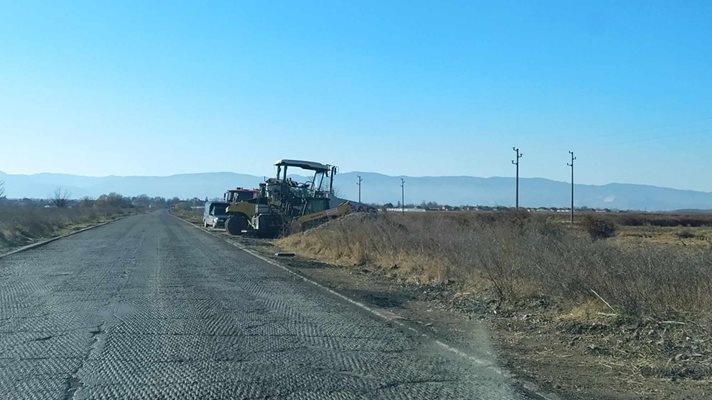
pixel 62 198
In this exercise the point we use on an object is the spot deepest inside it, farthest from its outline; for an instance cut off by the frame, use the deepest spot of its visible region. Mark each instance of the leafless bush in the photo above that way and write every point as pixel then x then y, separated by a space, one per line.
pixel 686 234
pixel 60 198
pixel 598 227
pixel 86 202
pixel 2 190
pixel 516 257
pixel 112 200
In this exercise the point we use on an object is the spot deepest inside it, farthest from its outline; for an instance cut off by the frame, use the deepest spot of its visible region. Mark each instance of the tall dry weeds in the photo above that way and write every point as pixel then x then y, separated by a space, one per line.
pixel 21 225
pixel 516 256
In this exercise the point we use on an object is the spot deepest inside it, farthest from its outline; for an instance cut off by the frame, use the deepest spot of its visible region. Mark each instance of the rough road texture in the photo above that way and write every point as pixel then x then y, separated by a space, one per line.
pixel 149 307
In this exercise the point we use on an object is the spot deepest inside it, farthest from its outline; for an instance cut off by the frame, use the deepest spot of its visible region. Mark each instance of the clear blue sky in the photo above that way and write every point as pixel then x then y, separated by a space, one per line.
pixel 397 87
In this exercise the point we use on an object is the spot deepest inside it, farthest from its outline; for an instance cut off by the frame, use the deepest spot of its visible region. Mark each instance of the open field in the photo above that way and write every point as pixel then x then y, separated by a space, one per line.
pixel 516 257
pixel 630 313
pixel 23 225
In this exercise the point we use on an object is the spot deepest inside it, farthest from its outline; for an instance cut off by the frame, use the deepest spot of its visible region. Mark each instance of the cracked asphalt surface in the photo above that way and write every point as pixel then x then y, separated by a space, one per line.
pixel 149 307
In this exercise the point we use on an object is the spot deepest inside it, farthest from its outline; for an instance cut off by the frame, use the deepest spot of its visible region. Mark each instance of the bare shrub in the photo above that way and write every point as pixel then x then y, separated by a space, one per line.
pixel 686 234
pixel 112 200
pixel 60 198
pixel 86 202
pixel 598 227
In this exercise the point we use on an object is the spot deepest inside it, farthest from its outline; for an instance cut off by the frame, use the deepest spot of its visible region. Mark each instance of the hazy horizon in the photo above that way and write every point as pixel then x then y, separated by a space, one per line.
pixel 379 189
pixel 364 172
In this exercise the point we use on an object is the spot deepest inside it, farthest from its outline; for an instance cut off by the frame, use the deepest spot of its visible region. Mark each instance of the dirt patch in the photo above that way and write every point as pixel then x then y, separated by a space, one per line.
pixel 606 356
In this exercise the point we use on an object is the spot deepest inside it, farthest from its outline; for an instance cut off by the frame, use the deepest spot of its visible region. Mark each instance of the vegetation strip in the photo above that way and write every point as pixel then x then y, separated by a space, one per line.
pixel 44 242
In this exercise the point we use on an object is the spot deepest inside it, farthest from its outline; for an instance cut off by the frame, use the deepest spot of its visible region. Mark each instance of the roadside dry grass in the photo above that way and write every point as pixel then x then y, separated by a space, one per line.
pixel 517 257
pixel 22 225
pixel 629 314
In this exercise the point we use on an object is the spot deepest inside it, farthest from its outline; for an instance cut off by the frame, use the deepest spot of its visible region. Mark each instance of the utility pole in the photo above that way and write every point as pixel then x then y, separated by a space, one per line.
pixel 516 201
pixel 572 184
pixel 402 195
pixel 359 188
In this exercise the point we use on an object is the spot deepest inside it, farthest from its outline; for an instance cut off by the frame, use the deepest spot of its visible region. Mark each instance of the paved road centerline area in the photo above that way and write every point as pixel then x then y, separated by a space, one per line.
pixel 148 307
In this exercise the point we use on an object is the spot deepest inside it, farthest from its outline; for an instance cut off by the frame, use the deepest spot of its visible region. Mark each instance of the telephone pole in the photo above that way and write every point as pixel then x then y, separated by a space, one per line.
pixel 402 195
pixel 572 184
pixel 359 188
pixel 516 202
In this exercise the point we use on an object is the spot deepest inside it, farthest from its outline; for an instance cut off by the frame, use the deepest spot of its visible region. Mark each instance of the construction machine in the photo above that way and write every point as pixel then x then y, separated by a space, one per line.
pixel 282 201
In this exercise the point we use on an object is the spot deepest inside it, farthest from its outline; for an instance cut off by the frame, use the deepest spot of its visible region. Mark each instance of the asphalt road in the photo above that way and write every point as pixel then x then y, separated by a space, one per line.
pixel 149 307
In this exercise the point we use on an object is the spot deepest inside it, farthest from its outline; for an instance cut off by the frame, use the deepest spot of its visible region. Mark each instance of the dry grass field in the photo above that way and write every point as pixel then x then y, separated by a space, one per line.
pixel 22 224
pixel 641 270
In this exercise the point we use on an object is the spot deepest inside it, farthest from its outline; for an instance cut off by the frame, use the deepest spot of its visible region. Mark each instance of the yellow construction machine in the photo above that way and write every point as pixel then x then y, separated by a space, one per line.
pixel 282 201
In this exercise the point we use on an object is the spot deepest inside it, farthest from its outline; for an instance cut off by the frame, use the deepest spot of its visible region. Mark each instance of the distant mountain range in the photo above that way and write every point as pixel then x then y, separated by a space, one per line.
pixel 376 188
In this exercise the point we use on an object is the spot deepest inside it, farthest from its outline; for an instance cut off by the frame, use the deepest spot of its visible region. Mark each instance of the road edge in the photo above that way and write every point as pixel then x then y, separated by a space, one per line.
pixel 528 388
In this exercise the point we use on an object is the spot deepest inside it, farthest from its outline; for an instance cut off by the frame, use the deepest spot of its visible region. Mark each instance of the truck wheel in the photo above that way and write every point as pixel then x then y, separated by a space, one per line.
pixel 236 224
